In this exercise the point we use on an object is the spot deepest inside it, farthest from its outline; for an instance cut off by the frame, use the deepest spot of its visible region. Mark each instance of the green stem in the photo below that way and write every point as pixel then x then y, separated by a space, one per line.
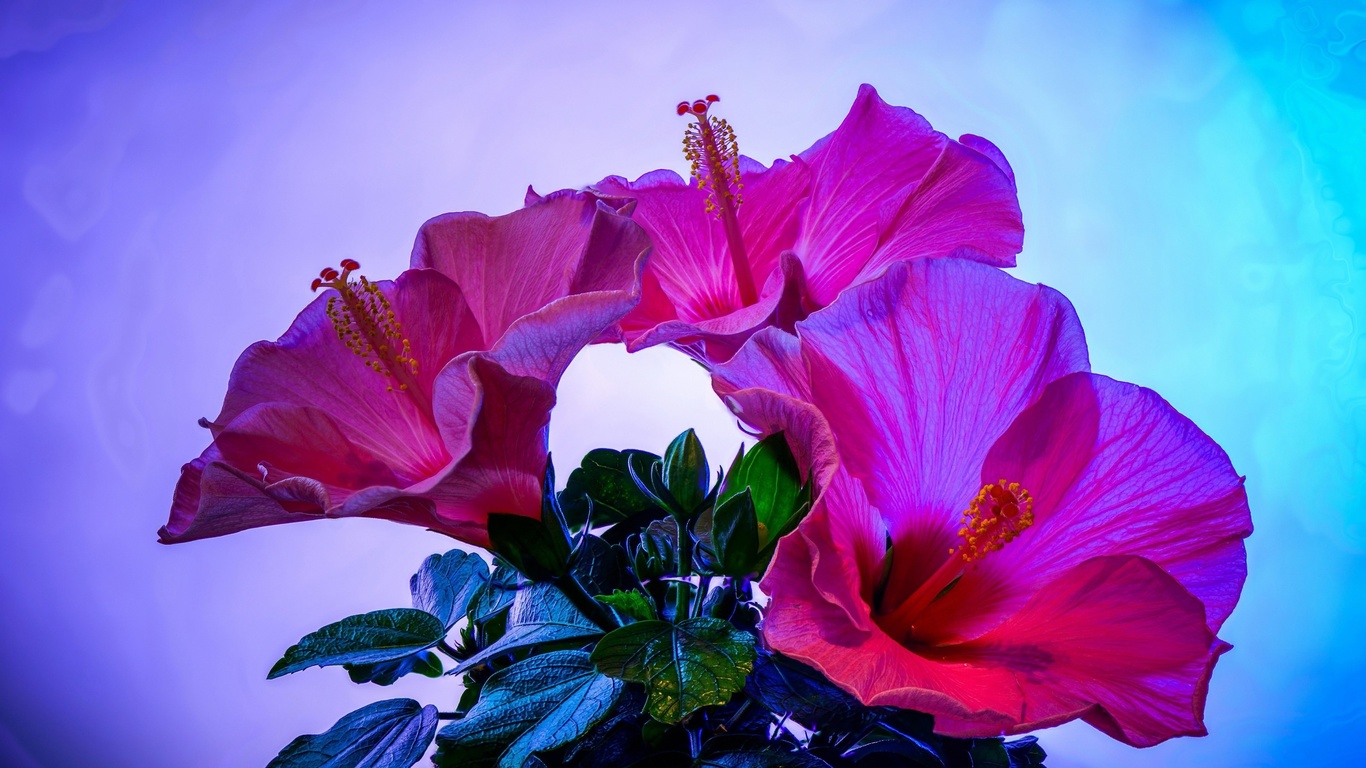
pixel 701 597
pixel 446 648
pixel 591 608
pixel 682 595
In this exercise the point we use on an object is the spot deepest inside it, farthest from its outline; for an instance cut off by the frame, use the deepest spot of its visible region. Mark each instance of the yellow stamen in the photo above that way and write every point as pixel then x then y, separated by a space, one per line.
pixel 997 516
pixel 365 322
pixel 710 147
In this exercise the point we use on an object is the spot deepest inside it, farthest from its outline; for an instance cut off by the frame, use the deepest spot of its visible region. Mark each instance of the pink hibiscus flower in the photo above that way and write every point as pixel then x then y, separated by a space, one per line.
pixel 426 399
pixel 742 246
pixel 1008 541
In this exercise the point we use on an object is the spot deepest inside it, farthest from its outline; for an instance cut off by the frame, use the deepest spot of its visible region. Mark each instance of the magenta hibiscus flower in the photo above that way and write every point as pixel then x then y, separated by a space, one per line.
pixel 743 246
pixel 426 399
pixel 1008 542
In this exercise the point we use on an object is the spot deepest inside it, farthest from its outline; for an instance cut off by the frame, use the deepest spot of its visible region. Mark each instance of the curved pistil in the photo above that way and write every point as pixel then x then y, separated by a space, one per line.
pixel 366 323
pixel 997 516
pixel 710 147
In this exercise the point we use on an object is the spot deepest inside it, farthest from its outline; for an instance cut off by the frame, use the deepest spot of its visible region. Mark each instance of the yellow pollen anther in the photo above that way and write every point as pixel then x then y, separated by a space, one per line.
pixel 366 323
pixel 712 152
pixel 1000 513
pixel 713 155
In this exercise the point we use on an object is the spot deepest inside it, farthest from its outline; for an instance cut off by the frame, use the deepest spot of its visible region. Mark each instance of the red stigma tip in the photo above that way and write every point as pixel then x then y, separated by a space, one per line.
pixel 351 264
pixel 699 106
pixel 683 108
pixel 712 97
pixel 317 283
pixel 330 274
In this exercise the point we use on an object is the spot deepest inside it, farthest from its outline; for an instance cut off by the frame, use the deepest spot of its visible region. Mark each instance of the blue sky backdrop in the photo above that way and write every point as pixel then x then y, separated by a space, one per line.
pixel 172 175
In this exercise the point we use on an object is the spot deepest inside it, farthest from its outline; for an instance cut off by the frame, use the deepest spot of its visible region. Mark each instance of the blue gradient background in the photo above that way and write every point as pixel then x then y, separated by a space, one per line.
pixel 171 177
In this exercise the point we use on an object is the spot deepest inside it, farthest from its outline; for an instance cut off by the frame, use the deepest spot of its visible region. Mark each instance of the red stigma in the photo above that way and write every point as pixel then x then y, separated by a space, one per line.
pixel 329 274
pixel 684 108
pixel 350 264
pixel 712 97
pixel 317 283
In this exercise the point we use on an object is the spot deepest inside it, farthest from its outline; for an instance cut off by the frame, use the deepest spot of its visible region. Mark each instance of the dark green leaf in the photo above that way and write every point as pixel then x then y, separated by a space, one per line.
pixel 595 566
pixel 386 734
pixel 494 597
pixel 538 704
pixel 540 614
pixel 365 639
pixel 656 550
pixel 988 753
pixel 761 759
pixel 697 663
pixel 630 604
pixel 774 481
pixel 791 689
pixel 1025 752
pixel 735 535
pixel 604 476
pixel 424 663
pixel 538 549
pixel 444 585
pixel 686 473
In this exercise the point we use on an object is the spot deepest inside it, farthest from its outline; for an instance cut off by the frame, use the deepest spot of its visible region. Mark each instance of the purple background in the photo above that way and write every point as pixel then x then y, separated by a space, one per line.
pixel 172 175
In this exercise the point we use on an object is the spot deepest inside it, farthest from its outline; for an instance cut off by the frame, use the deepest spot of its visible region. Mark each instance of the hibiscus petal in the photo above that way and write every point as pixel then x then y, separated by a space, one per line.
pixel 770 360
pixel 510 266
pixel 310 367
pixel 691 262
pixel 875 164
pixel 1114 469
pixel 839 638
pixel 918 373
pixel 1115 641
pixel 716 340
pixel 498 423
pixel 214 499
pixel 964 207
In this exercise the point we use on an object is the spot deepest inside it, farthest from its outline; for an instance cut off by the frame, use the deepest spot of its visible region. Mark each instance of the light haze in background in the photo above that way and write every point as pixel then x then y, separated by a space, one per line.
pixel 172 175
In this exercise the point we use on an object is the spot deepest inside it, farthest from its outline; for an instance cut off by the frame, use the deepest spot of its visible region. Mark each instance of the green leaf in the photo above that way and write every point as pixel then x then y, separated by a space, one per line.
pixel 735 535
pixel 793 690
pixel 536 705
pixel 1025 752
pixel 604 476
pixel 539 551
pixel 684 667
pixel 424 663
pixel 632 604
pixel 774 481
pixel 386 734
pixel 686 473
pixel 365 639
pixel 445 584
pixel 495 597
pixel 767 758
pixel 540 614
pixel 655 551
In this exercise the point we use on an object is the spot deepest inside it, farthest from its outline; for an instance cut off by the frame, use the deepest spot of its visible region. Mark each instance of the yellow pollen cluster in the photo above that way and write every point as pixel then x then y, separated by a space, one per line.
pixel 710 147
pixel 365 322
pixel 1000 513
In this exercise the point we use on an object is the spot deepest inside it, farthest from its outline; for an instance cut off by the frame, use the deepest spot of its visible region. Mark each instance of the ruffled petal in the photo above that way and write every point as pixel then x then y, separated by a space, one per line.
pixel 887 186
pixel 771 360
pixel 309 367
pixel 830 628
pixel 964 207
pixel 212 498
pixel 510 266
pixel 1113 640
pixel 1114 470
pixel 498 423
pixel 918 373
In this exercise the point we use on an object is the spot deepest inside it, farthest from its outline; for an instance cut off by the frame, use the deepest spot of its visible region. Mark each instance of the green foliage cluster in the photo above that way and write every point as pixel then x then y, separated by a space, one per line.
pixel 620 629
